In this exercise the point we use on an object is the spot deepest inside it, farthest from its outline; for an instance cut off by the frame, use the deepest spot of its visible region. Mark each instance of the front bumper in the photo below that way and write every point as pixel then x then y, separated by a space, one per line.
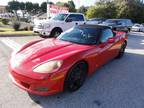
pixel 45 87
pixel 37 30
pixel 45 33
pixel 135 29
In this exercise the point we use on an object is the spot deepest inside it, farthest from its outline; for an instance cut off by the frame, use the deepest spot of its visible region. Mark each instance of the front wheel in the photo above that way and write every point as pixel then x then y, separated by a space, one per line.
pixel 43 36
pixel 122 50
pixel 76 77
pixel 55 33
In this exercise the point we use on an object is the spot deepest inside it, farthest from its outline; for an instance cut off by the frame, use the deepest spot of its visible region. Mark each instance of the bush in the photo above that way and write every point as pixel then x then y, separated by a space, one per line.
pixel 16 26
pixel 5 21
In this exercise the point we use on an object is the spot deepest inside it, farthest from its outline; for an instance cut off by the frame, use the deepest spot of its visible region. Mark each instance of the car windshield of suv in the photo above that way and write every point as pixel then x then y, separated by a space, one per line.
pixel 81 35
pixel 60 17
pixel 113 21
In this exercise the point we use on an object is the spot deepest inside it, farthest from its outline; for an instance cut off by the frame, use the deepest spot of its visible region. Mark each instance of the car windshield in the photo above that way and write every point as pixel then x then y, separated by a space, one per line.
pixel 81 35
pixel 137 25
pixel 113 21
pixel 60 17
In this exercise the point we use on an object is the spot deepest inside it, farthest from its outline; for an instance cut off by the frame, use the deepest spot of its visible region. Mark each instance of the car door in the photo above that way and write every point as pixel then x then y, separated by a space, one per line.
pixel 106 49
pixel 74 19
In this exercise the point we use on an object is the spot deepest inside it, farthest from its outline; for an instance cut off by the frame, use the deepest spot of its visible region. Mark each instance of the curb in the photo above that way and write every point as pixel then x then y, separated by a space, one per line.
pixel 18 35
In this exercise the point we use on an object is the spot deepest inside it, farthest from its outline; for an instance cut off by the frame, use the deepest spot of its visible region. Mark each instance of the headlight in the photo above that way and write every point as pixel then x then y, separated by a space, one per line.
pixel 48 67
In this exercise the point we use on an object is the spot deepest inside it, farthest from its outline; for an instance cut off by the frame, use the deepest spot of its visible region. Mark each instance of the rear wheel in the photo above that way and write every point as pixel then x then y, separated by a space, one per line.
pixel 76 77
pixel 122 50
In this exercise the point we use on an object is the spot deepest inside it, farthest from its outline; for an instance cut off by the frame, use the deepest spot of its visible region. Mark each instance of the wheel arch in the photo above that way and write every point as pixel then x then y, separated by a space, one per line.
pixel 55 28
pixel 82 60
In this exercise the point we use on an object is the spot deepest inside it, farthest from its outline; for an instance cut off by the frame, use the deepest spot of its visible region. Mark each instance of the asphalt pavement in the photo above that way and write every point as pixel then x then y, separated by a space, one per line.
pixel 118 84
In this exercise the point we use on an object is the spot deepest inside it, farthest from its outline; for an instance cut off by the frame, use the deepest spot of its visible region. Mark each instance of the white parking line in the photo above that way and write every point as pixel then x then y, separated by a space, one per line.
pixel 135 51
pixel 10 43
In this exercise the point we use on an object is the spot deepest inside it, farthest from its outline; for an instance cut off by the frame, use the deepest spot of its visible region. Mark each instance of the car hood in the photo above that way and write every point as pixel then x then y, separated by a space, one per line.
pixel 26 59
pixel 51 21
pixel 135 27
pixel 109 24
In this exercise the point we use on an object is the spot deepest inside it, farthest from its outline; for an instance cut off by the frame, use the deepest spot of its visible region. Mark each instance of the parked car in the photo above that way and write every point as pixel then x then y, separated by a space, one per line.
pixel 137 28
pixel 60 23
pixel 122 24
pixel 49 66
pixel 96 21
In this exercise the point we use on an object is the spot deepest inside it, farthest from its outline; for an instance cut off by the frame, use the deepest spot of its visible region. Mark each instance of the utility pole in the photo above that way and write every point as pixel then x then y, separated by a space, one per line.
pixel 48 9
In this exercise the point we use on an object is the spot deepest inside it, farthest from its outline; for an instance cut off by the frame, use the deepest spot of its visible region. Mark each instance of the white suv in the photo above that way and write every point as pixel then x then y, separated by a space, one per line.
pixel 59 23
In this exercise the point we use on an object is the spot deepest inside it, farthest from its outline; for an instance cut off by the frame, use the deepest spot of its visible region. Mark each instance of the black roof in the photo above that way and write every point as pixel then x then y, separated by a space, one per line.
pixel 101 27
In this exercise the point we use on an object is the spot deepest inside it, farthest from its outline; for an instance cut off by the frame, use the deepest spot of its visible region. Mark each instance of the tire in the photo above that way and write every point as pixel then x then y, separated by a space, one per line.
pixel 43 36
pixel 76 77
pixel 56 32
pixel 129 30
pixel 139 30
pixel 122 51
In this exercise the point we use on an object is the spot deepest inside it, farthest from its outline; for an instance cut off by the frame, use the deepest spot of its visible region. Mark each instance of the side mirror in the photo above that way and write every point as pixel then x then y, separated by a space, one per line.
pixel 111 40
pixel 68 20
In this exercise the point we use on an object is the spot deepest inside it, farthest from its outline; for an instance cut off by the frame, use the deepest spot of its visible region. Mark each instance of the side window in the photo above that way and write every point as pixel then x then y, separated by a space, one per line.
pixel 76 17
pixel 129 22
pixel 106 34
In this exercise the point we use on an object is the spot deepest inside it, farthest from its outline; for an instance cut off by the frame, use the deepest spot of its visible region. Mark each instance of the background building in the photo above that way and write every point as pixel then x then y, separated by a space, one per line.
pixel 3 9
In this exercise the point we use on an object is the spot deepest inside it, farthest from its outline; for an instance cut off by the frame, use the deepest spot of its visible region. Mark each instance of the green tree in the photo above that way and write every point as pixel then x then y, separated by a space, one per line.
pixel 22 5
pixel 91 12
pixel 44 7
pixel 50 3
pixel 29 6
pixel 102 9
pixel 82 9
pixel 133 9
pixel 60 3
pixel 13 6
pixel 36 7
pixel 71 6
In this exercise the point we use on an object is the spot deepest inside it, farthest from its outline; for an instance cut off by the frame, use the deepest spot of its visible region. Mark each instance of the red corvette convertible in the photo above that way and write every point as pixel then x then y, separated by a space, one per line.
pixel 45 67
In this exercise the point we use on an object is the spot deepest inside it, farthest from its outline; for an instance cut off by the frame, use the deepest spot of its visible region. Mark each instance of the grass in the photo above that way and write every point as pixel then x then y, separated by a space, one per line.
pixel 9 31
pixel 12 32
pixel 21 33
pixel 6 29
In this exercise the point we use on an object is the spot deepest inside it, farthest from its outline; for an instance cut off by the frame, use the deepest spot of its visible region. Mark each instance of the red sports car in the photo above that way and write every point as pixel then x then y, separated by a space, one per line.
pixel 45 67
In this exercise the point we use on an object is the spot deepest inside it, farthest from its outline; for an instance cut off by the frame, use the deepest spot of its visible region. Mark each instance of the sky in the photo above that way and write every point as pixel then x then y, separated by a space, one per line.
pixel 78 3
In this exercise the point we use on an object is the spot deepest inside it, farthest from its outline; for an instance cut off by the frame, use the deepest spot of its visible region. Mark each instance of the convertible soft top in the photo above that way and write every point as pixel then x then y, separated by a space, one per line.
pixel 102 27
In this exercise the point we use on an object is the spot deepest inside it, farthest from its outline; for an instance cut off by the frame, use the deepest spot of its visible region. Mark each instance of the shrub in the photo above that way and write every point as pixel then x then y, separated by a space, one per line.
pixel 5 21
pixel 28 28
pixel 16 26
